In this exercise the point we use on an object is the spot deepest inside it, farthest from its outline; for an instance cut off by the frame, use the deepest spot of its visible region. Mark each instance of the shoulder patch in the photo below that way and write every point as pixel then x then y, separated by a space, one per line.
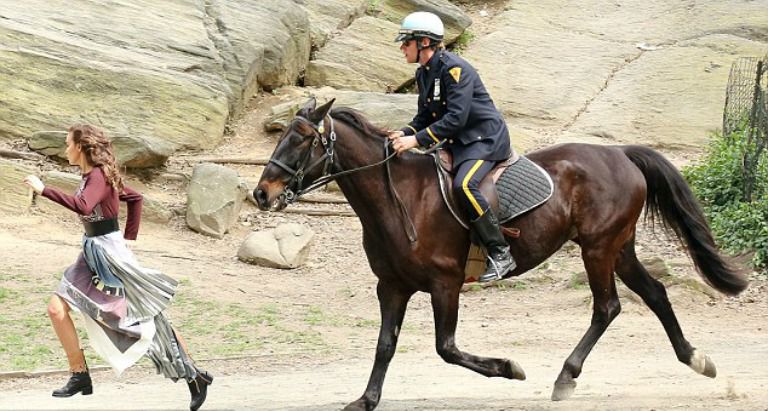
pixel 455 73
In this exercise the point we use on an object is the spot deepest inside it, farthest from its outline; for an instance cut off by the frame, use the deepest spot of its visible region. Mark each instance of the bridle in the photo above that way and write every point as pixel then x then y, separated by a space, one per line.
pixel 328 158
pixel 294 188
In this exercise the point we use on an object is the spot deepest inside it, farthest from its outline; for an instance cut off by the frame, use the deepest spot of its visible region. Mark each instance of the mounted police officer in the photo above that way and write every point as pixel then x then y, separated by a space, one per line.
pixel 454 108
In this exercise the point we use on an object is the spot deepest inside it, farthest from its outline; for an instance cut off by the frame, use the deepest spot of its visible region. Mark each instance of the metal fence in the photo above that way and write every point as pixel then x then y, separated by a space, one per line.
pixel 746 113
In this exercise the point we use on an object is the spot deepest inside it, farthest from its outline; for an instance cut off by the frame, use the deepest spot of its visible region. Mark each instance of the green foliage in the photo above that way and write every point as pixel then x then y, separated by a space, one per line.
pixel 718 182
pixel 462 42
pixel 373 7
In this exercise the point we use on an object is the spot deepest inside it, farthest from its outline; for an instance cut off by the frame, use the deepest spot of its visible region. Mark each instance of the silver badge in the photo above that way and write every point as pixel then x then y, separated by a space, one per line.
pixel 436 93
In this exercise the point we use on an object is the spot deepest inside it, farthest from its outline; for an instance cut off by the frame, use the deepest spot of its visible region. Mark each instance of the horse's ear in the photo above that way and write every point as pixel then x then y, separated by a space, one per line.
pixel 308 108
pixel 319 114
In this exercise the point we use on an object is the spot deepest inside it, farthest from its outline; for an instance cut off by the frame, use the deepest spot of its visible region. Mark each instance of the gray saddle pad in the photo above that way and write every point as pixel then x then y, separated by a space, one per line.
pixel 522 186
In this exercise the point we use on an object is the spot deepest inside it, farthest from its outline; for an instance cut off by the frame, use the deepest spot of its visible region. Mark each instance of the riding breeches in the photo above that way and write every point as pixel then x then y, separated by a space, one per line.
pixel 466 185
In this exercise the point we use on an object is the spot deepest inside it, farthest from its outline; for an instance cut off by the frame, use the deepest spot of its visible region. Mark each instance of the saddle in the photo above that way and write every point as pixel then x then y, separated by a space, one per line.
pixel 513 187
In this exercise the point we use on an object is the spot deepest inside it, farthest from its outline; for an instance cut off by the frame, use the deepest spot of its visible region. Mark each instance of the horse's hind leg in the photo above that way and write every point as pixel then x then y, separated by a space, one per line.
pixel 392 303
pixel 606 307
pixel 445 304
pixel 653 293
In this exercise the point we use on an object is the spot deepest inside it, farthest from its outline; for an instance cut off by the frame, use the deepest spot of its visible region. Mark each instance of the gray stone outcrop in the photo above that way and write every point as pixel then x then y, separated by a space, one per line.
pixel 561 73
pixel 159 71
pixel 390 111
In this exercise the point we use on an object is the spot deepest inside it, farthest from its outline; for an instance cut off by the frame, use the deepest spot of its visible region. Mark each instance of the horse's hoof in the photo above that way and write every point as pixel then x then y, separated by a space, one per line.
pixel 563 391
pixel 514 371
pixel 359 405
pixel 702 364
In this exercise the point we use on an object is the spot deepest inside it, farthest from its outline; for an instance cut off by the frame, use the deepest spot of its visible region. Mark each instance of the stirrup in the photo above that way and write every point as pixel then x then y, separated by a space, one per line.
pixel 491 274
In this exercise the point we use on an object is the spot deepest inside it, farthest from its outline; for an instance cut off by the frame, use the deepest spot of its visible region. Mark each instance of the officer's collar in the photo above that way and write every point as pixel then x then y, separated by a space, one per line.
pixel 434 60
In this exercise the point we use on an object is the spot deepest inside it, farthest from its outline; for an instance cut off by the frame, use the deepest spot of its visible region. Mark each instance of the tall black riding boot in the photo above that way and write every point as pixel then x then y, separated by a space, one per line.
pixel 78 382
pixel 198 388
pixel 500 261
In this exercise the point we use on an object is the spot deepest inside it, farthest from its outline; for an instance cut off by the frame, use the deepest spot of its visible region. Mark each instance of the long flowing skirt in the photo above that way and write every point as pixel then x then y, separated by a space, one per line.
pixel 123 327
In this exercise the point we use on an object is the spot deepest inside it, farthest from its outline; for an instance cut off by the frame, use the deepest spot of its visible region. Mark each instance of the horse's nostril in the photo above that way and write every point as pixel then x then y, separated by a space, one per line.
pixel 260 196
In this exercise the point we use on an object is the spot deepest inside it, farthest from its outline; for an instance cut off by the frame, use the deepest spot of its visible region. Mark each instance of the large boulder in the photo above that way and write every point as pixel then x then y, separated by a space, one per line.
pixel 287 246
pixel 363 58
pixel 454 19
pixel 130 151
pixel 384 110
pixel 329 16
pixel 159 71
pixel 214 198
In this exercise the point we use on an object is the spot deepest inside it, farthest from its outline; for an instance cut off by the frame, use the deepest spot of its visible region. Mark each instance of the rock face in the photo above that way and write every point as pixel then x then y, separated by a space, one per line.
pixel 214 198
pixel 384 110
pixel 657 78
pixel 130 151
pixel 328 17
pixel 454 19
pixel 159 71
pixel 365 58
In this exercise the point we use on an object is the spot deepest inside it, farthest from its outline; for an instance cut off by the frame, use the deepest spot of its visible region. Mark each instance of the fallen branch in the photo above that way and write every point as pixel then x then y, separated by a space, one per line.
pixel 320 213
pixel 321 200
pixel 233 160
pixel 20 155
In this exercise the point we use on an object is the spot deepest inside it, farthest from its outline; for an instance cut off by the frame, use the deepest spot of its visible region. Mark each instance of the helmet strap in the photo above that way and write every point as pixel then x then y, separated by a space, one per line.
pixel 419 47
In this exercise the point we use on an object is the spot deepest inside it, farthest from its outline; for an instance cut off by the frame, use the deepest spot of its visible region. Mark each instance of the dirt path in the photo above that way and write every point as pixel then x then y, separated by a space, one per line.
pixel 632 368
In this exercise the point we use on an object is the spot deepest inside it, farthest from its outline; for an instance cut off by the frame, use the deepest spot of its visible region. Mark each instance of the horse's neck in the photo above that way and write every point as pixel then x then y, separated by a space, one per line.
pixel 368 191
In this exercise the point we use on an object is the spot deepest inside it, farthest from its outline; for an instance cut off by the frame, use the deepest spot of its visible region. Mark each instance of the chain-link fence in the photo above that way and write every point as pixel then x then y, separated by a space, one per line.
pixel 746 113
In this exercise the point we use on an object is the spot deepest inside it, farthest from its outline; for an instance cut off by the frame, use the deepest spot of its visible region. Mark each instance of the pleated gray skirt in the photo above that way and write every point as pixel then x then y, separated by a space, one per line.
pixel 122 327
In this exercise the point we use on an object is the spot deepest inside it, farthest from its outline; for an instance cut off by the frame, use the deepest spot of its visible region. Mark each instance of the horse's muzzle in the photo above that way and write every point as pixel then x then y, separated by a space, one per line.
pixel 267 202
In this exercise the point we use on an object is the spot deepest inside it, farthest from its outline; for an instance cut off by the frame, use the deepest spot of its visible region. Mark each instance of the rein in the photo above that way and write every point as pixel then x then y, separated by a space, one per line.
pixel 297 176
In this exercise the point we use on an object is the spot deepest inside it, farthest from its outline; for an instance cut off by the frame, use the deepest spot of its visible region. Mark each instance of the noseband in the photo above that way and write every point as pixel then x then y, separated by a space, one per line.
pixel 297 176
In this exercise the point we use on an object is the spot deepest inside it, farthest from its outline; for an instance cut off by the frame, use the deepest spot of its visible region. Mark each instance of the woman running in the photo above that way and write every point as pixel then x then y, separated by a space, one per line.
pixel 121 301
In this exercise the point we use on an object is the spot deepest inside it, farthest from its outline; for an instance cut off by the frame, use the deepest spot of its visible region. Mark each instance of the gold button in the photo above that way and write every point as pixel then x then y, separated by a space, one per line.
pixel 450 141
pixel 429 100
pixel 434 115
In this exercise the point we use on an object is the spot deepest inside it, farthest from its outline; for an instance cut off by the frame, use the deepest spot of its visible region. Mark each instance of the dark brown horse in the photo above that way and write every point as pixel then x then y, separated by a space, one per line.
pixel 599 195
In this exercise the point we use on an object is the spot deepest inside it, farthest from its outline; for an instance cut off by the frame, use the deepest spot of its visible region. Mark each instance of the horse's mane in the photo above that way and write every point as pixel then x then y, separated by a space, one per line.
pixel 358 121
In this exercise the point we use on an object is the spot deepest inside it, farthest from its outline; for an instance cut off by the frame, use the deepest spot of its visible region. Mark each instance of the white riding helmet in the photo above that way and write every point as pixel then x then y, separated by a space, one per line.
pixel 421 24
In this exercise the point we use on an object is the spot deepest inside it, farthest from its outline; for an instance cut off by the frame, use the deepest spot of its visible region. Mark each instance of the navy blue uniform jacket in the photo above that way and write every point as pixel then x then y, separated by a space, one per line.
pixel 454 106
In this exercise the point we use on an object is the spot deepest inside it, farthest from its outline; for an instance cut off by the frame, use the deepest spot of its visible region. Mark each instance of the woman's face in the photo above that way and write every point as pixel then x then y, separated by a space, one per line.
pixel 74 155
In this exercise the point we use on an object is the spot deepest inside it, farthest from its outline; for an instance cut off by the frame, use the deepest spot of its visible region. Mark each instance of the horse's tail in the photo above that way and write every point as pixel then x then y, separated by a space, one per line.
pixel 670 198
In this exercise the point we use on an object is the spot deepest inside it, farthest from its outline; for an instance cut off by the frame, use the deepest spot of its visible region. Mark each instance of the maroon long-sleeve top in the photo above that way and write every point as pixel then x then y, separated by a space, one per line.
pixel 97 200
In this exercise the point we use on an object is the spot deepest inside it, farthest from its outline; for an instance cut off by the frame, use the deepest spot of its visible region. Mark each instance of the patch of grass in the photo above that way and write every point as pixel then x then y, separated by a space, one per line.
pixel 472 288
pixel 578 281
pixel 361 323
pixel 462 42
pixel 316 316
pixel 5 294
pixel 373 7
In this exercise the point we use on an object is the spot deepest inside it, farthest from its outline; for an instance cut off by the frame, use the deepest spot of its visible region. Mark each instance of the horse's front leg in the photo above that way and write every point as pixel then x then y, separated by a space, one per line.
pixel 392 302
pixel 445 304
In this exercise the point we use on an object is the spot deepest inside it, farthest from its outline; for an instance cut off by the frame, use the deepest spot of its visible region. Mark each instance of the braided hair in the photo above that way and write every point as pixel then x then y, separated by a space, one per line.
pixel 97 149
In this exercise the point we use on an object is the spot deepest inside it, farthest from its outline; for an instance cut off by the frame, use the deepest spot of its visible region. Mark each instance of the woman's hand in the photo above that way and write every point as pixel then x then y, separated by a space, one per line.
pixel 35 183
